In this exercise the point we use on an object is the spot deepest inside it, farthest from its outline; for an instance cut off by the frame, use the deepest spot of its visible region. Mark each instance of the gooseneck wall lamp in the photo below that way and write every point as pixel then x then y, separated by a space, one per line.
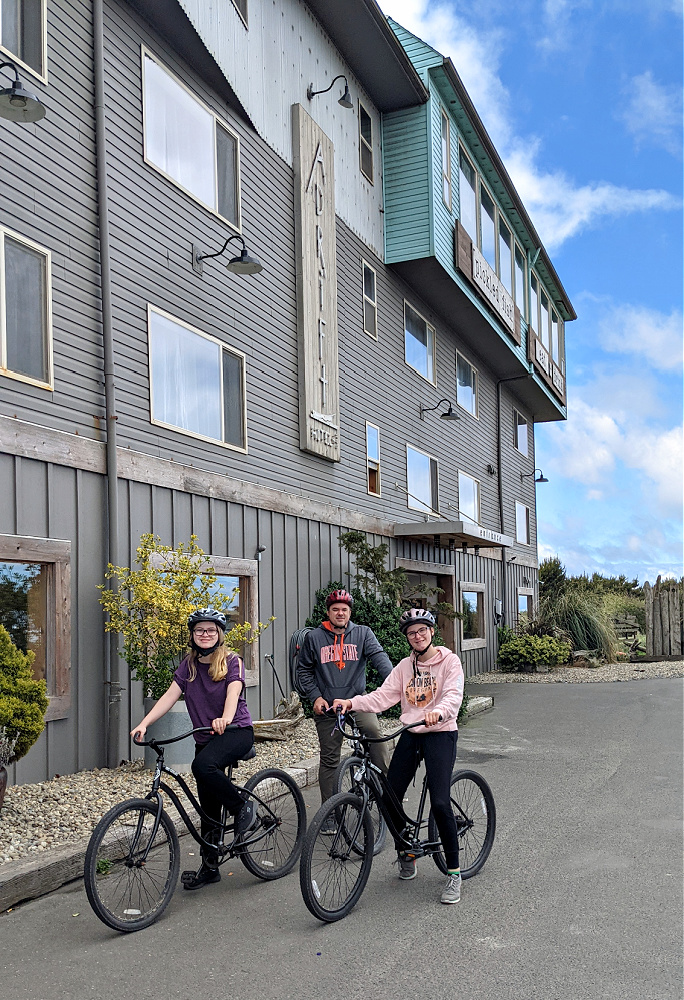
pixel 541 478
pixel 449 414
pixel 345 101
pixel 18 104
pixel 245 263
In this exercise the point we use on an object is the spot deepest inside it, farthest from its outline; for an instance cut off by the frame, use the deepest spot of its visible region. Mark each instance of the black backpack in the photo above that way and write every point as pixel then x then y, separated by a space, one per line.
pixel 296 641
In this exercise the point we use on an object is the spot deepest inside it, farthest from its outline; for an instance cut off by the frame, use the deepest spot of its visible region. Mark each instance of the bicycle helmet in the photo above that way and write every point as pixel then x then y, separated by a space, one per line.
pixel 416 616
pixel 339 597
pixel 207 615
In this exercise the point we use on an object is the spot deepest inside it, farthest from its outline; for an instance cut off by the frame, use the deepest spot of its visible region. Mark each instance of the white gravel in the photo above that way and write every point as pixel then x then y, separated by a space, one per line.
pixel 584 675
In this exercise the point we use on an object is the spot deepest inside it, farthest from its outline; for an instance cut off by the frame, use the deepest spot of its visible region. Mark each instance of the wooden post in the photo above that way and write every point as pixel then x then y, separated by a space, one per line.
pixel 665 616
pixel 675 620
pixel 648 607
pixel 657 623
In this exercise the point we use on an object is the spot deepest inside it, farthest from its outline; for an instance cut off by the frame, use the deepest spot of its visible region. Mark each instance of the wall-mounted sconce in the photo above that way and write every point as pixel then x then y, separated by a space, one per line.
pixel 16 103
pixel 260 549
pixel 246 263
pixel 541 478
pixel 449 414
pixel 345 101
pixel 491 469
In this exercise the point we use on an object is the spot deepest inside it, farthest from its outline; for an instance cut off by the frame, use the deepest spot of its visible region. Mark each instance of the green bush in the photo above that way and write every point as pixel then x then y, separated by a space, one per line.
pixel 23 700
pixel 616 605
pixel 523 650
pixel 578 619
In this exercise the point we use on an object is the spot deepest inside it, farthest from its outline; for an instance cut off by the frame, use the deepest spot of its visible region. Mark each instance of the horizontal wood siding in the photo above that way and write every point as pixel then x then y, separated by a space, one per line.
pixel 407 162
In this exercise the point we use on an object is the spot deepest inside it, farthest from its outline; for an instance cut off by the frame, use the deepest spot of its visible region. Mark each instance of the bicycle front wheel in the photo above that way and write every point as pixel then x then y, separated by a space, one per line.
pixel 336 857
pixel 475 814
pixel 130 870
pixel 281 822
pixel 344 782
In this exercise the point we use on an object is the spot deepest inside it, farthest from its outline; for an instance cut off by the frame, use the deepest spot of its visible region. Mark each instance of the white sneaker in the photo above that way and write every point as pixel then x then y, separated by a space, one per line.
pixel 452 890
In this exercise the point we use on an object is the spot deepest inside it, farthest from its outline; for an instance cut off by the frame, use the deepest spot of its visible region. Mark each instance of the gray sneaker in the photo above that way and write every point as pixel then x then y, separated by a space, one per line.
pixel 452 890
pixel 407 866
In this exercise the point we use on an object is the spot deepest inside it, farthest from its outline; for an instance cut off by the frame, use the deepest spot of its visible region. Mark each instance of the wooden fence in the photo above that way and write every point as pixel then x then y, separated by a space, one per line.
pixel 664 618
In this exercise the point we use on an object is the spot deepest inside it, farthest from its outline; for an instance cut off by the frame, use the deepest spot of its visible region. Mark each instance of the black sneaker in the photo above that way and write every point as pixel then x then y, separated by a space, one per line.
pixel 246 818
pixel 203 876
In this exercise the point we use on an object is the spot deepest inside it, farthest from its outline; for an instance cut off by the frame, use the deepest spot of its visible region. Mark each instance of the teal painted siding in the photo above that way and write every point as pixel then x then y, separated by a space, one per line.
pixel 407 186
pixel 422 55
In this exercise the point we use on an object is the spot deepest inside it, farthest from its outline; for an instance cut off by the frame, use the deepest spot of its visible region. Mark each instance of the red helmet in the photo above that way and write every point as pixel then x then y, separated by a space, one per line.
pixel 339 597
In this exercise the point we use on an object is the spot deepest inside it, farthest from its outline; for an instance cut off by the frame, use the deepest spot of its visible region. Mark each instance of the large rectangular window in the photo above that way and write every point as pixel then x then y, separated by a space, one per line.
pixel 467 192
pixel 466 385
pixel 534 303
pixel 188 143
pixel 197 383
pixel 23 33
pixel 446 161
pixel 473 627
pixel 520 430
pixel 525 604
pixel 373 458
pixel 505 256
pixel 25 310
pixel 366 143
pixel 468 498
pixel 545 322
pixel 422 481
pixel 522 523
pixel 555 338
pixel 419 343
pixel 488 227
pixel 520 280
pixel 370 301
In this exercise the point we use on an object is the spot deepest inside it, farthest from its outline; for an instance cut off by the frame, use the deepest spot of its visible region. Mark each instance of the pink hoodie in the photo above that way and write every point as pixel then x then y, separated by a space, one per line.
pixel 437 687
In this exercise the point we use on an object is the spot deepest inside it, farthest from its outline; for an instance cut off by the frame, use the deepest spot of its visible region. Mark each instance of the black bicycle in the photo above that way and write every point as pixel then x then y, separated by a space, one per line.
pixel 133 857
pixel 334 868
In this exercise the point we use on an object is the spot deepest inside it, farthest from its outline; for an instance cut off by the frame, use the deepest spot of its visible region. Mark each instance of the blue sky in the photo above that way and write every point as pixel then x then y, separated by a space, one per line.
pixel 583 99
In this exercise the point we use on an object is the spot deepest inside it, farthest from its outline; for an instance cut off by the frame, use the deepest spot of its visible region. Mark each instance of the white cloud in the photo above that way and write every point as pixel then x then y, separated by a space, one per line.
pixel 556 19
pixel 654 113
pixel 629 329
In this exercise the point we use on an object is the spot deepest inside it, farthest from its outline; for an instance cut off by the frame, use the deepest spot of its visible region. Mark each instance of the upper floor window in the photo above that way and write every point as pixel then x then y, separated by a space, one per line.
pixel 467 190
pixel 197 384
pixel 366 143
pixel 422 480
pixel 557 352
pixel 241 7
pixel 520 433
pixel 488 227
pixel 370 301
pixel 419 343
pixel 506 256
pixel 534 303
pixel 545 321
pixel 23 32
pixel 522 523
pixel 25 310
pixel 466 385
pixel 189 144
pixel 519 268
pixel 446 161
pixel 468 498
pixel 373 458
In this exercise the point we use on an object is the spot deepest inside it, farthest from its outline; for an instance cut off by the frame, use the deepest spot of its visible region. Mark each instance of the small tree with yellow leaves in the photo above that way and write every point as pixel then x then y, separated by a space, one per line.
pixel 150 605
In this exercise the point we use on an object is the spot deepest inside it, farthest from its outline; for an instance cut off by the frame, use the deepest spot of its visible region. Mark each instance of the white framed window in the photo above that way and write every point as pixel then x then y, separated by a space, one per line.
pixel 373 459
pixel 525 602
pixel 197 384
pixel 468 498
pixel 520 433
pixel 473 623
pixel 446 161
pixel 467 195
pixel 25 310
pixel 419 343
pixel 241 8
pixel 545 330
pixel 505 256
pixel 522 523
pixel 467 390
pixel 188 143
pixel 487 227
pixel 556 326
pixel 422 478
pixel 23 34
pixel 365 143
pixel 534 303
pixel 370 301
pixel 519 268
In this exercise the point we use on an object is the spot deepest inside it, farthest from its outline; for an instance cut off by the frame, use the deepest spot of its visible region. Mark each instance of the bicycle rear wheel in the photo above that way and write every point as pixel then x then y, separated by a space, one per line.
pixel 335 867
pixel 130 871
pixel 280 831
pixel 475 814
pixel 344 782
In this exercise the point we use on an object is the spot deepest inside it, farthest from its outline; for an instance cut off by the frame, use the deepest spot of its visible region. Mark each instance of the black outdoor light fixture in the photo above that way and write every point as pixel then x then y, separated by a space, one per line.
pixel 18 104
pixel 449 414
pixel 541 478
pixel 246 263
pixel 345 101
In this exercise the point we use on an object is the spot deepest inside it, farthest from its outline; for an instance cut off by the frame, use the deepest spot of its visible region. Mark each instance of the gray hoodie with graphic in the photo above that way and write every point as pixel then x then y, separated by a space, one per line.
pixel 334 666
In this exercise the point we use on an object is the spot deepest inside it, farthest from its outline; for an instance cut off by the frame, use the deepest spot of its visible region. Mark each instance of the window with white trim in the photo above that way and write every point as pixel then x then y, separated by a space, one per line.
pixel 468 498
pixel 473 624
pixel 545 322
pixel 522 523
pixel 373 458
pixel 365 143
pixel 419 343
pixel 520 433
pixel 370 301
pixel 534 303
pixel 23 31
pixel 467 193
pixel 446 161
pixel 519 268
pixel 506 256
pixel 466 385
pixel 487 227
pixel 197 384
pixel 422 478
pixel 25 310
pixel 188 143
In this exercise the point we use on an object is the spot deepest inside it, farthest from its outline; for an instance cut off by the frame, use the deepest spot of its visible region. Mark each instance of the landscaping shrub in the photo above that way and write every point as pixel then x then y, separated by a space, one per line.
pixel 23 700
pixel 521 651
pixel 577 619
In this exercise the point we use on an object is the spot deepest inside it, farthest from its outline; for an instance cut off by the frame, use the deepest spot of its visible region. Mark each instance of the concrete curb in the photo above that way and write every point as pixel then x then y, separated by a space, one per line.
pixel 37 876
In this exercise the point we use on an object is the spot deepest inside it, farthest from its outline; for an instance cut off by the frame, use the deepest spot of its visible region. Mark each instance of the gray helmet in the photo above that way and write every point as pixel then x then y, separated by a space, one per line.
pixel 416 616
pixel 207 615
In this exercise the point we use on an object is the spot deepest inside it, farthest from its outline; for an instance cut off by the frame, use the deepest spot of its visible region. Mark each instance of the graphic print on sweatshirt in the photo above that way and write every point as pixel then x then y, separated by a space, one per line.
pixel 421 690
pixel 331 654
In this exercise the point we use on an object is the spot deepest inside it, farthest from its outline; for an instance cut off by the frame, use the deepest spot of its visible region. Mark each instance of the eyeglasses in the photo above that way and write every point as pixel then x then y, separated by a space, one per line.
pixel 205 631
pixel 417 632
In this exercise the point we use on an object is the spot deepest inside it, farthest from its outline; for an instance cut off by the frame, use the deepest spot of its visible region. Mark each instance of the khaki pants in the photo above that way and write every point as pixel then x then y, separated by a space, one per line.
pixel 330 740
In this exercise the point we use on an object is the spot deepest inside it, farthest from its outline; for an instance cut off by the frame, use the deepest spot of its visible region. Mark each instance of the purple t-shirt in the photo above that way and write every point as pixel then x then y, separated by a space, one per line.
pixel 205 699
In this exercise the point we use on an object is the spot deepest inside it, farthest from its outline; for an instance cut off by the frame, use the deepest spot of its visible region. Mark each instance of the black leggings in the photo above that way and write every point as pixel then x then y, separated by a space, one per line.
pixel 214 790
pixel 439 753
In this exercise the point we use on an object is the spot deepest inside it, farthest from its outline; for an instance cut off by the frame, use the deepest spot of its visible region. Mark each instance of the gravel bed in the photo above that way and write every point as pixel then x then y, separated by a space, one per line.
pixel 583 675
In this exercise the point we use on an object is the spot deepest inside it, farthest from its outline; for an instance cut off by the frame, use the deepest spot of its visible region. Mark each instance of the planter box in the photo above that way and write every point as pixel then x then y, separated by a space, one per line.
pixel 176 721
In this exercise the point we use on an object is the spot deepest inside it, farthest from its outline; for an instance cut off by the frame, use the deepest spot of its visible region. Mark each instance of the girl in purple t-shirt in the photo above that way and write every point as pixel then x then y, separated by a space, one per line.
pixel 211 678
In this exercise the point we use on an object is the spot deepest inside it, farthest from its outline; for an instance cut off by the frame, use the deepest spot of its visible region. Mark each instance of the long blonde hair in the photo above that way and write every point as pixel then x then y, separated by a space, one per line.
pixel 218 667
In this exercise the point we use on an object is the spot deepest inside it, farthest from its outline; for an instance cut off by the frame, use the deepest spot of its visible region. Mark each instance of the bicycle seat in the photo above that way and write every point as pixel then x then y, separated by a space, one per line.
pixel 250 755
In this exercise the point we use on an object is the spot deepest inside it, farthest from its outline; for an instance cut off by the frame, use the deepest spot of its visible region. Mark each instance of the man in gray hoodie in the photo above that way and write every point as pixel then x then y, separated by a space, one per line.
pixel 332 664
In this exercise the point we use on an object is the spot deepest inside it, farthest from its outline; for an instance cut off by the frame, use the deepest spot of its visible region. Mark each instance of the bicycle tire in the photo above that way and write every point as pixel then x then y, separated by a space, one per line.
pixel 333 871
pixel 126 895
pixel 276 852
pixel 344 783
pixel 475 813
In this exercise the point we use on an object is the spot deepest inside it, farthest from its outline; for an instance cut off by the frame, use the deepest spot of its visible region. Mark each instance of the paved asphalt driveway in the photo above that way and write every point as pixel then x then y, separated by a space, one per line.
pixel 581 897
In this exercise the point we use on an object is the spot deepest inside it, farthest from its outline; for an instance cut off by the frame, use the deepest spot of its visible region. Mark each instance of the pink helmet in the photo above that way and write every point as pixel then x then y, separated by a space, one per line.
pixel 416 616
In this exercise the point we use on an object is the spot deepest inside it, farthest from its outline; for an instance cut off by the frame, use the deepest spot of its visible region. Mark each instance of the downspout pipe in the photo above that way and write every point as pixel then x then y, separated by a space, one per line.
pixel 499 452
pixel 112 660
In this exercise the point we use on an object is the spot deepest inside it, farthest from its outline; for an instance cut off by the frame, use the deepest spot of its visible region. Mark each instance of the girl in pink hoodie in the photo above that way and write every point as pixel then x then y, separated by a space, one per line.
pixel 429 685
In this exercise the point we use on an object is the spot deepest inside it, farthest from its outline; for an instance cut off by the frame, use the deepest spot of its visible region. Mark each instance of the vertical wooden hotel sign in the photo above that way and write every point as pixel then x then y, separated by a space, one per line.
pixel 319 383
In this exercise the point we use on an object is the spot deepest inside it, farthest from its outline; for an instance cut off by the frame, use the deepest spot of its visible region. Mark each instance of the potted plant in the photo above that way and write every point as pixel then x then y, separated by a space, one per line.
pixel 149 607
pixel 23 701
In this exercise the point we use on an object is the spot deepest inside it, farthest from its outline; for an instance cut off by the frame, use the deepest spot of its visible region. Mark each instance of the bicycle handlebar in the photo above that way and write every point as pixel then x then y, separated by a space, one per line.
pixel 175 739
pixel 341 720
